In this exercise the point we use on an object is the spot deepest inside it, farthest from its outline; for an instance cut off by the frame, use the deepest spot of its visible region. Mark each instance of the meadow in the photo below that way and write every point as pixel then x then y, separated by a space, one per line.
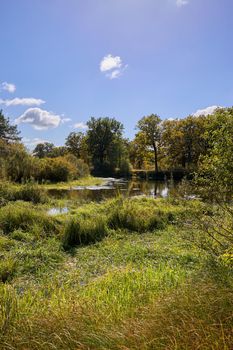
pixel 119 274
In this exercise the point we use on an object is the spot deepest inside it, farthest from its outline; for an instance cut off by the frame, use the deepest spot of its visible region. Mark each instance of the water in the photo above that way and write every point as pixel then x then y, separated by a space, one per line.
pixel 57 211
pixel 113 187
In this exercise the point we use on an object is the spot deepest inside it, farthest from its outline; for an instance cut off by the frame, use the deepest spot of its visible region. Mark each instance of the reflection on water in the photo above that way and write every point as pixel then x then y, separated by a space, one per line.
pixel 114 187
pixel 57 211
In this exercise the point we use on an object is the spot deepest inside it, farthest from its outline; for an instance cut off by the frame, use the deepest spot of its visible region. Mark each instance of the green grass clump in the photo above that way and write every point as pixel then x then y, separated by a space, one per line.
pixel 24 217
pixel 139 215
pixel 31 193
pixel 7 269
pixel 84 231
pixel 28 192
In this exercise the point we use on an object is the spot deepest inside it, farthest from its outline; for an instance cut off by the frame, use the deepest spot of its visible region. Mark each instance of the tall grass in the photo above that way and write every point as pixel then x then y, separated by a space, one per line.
pixel 81 231
pixel 28 192
pixel 20 216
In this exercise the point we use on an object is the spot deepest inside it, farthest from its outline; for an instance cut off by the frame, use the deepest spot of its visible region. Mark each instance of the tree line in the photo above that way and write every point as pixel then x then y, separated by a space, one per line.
pixel 190 144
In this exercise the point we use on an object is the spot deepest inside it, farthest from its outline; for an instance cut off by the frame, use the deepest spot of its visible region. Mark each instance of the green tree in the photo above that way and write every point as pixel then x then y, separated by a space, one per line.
pixel 43 150
pixel 74 143
pixel 8 133
pixel 140 156
pixel 150 126
pixel 183 141
pixel 103 138
pixel 216 166
pixel 58 152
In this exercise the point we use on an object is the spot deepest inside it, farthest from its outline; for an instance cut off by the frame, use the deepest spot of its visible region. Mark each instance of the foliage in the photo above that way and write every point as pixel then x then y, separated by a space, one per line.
pixel 216 166
pixel 8 133
pixel 105 143
pixel 151 132
pixel 56 169
pixel 43 150
pixel 183 141
pixel 76 144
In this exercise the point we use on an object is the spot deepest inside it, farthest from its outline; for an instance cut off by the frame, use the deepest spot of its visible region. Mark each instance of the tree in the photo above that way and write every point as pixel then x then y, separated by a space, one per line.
pixel 103 137
pixel 74 143
pixel 43 150
pixel 140 156
pixel 59 151
pixel 216 166
pixel 8 133
pixel 150 127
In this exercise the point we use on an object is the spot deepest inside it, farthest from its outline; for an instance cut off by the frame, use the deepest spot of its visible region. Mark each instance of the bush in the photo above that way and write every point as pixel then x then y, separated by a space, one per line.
pixel 55 169
pixel 62 169
pixel 80 168
pixel 84 231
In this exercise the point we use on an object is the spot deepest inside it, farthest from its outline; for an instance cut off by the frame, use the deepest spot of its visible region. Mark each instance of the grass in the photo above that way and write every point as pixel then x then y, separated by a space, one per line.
pixel 85 181
pixel 127 279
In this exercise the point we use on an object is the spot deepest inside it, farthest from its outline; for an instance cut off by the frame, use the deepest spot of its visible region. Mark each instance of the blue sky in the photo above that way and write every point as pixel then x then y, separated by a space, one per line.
pixel 63 61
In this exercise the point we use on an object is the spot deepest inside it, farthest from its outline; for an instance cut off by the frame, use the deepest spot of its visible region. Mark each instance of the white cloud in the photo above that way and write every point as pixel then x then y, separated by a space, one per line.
pixel 65 120
pixel 110 62
pixel 33 142
pixel 206 111
pixel 112 66
pixel 80 126
pixel 9 87
pixel 180 3
pixel 27 101
pixel 39 119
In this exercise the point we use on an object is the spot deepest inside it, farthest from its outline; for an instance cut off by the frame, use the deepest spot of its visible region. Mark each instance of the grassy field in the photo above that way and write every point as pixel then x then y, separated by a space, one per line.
pixel 121 274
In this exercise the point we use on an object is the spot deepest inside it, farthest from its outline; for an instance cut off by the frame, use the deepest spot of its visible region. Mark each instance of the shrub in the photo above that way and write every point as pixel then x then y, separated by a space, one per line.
pixel 84 231
pixel 55 169
pixel 80 168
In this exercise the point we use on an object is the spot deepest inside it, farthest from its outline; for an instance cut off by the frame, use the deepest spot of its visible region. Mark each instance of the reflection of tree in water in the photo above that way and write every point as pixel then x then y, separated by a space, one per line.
pixel 131 188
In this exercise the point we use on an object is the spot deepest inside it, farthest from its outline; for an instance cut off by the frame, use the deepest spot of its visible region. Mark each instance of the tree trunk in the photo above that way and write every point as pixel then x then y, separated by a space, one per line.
pixel 156 158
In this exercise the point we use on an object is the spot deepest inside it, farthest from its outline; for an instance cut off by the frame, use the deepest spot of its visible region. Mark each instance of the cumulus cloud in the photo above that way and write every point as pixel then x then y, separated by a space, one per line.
pixel 39 119
pixel 206 111
pixel 9 87
pixel 80 125
pixel 112 66
pixel 180 3
pixel 26 101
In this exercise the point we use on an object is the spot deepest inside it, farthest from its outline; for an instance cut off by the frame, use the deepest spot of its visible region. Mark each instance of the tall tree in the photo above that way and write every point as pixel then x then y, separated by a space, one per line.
pixel 150 127
pixel 8 133
pixel 43 150
pixel 102 136
pixel 74 143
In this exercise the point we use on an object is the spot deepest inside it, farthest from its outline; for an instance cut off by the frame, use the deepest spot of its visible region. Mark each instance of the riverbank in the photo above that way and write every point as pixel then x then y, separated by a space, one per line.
pixel 120 274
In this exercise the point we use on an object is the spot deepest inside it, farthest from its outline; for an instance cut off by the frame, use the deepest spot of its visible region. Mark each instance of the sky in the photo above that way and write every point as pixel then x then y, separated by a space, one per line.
pixel 64 61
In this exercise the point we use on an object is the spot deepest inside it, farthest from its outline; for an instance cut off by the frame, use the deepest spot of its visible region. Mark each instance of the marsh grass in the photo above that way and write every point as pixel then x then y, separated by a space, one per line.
pixel 130 281
pixel 29 192
pixel 25 217
pixel 84 231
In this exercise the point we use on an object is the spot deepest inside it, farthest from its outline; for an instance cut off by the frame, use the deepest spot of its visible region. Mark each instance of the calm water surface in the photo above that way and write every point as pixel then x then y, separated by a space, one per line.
pixel 113 187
